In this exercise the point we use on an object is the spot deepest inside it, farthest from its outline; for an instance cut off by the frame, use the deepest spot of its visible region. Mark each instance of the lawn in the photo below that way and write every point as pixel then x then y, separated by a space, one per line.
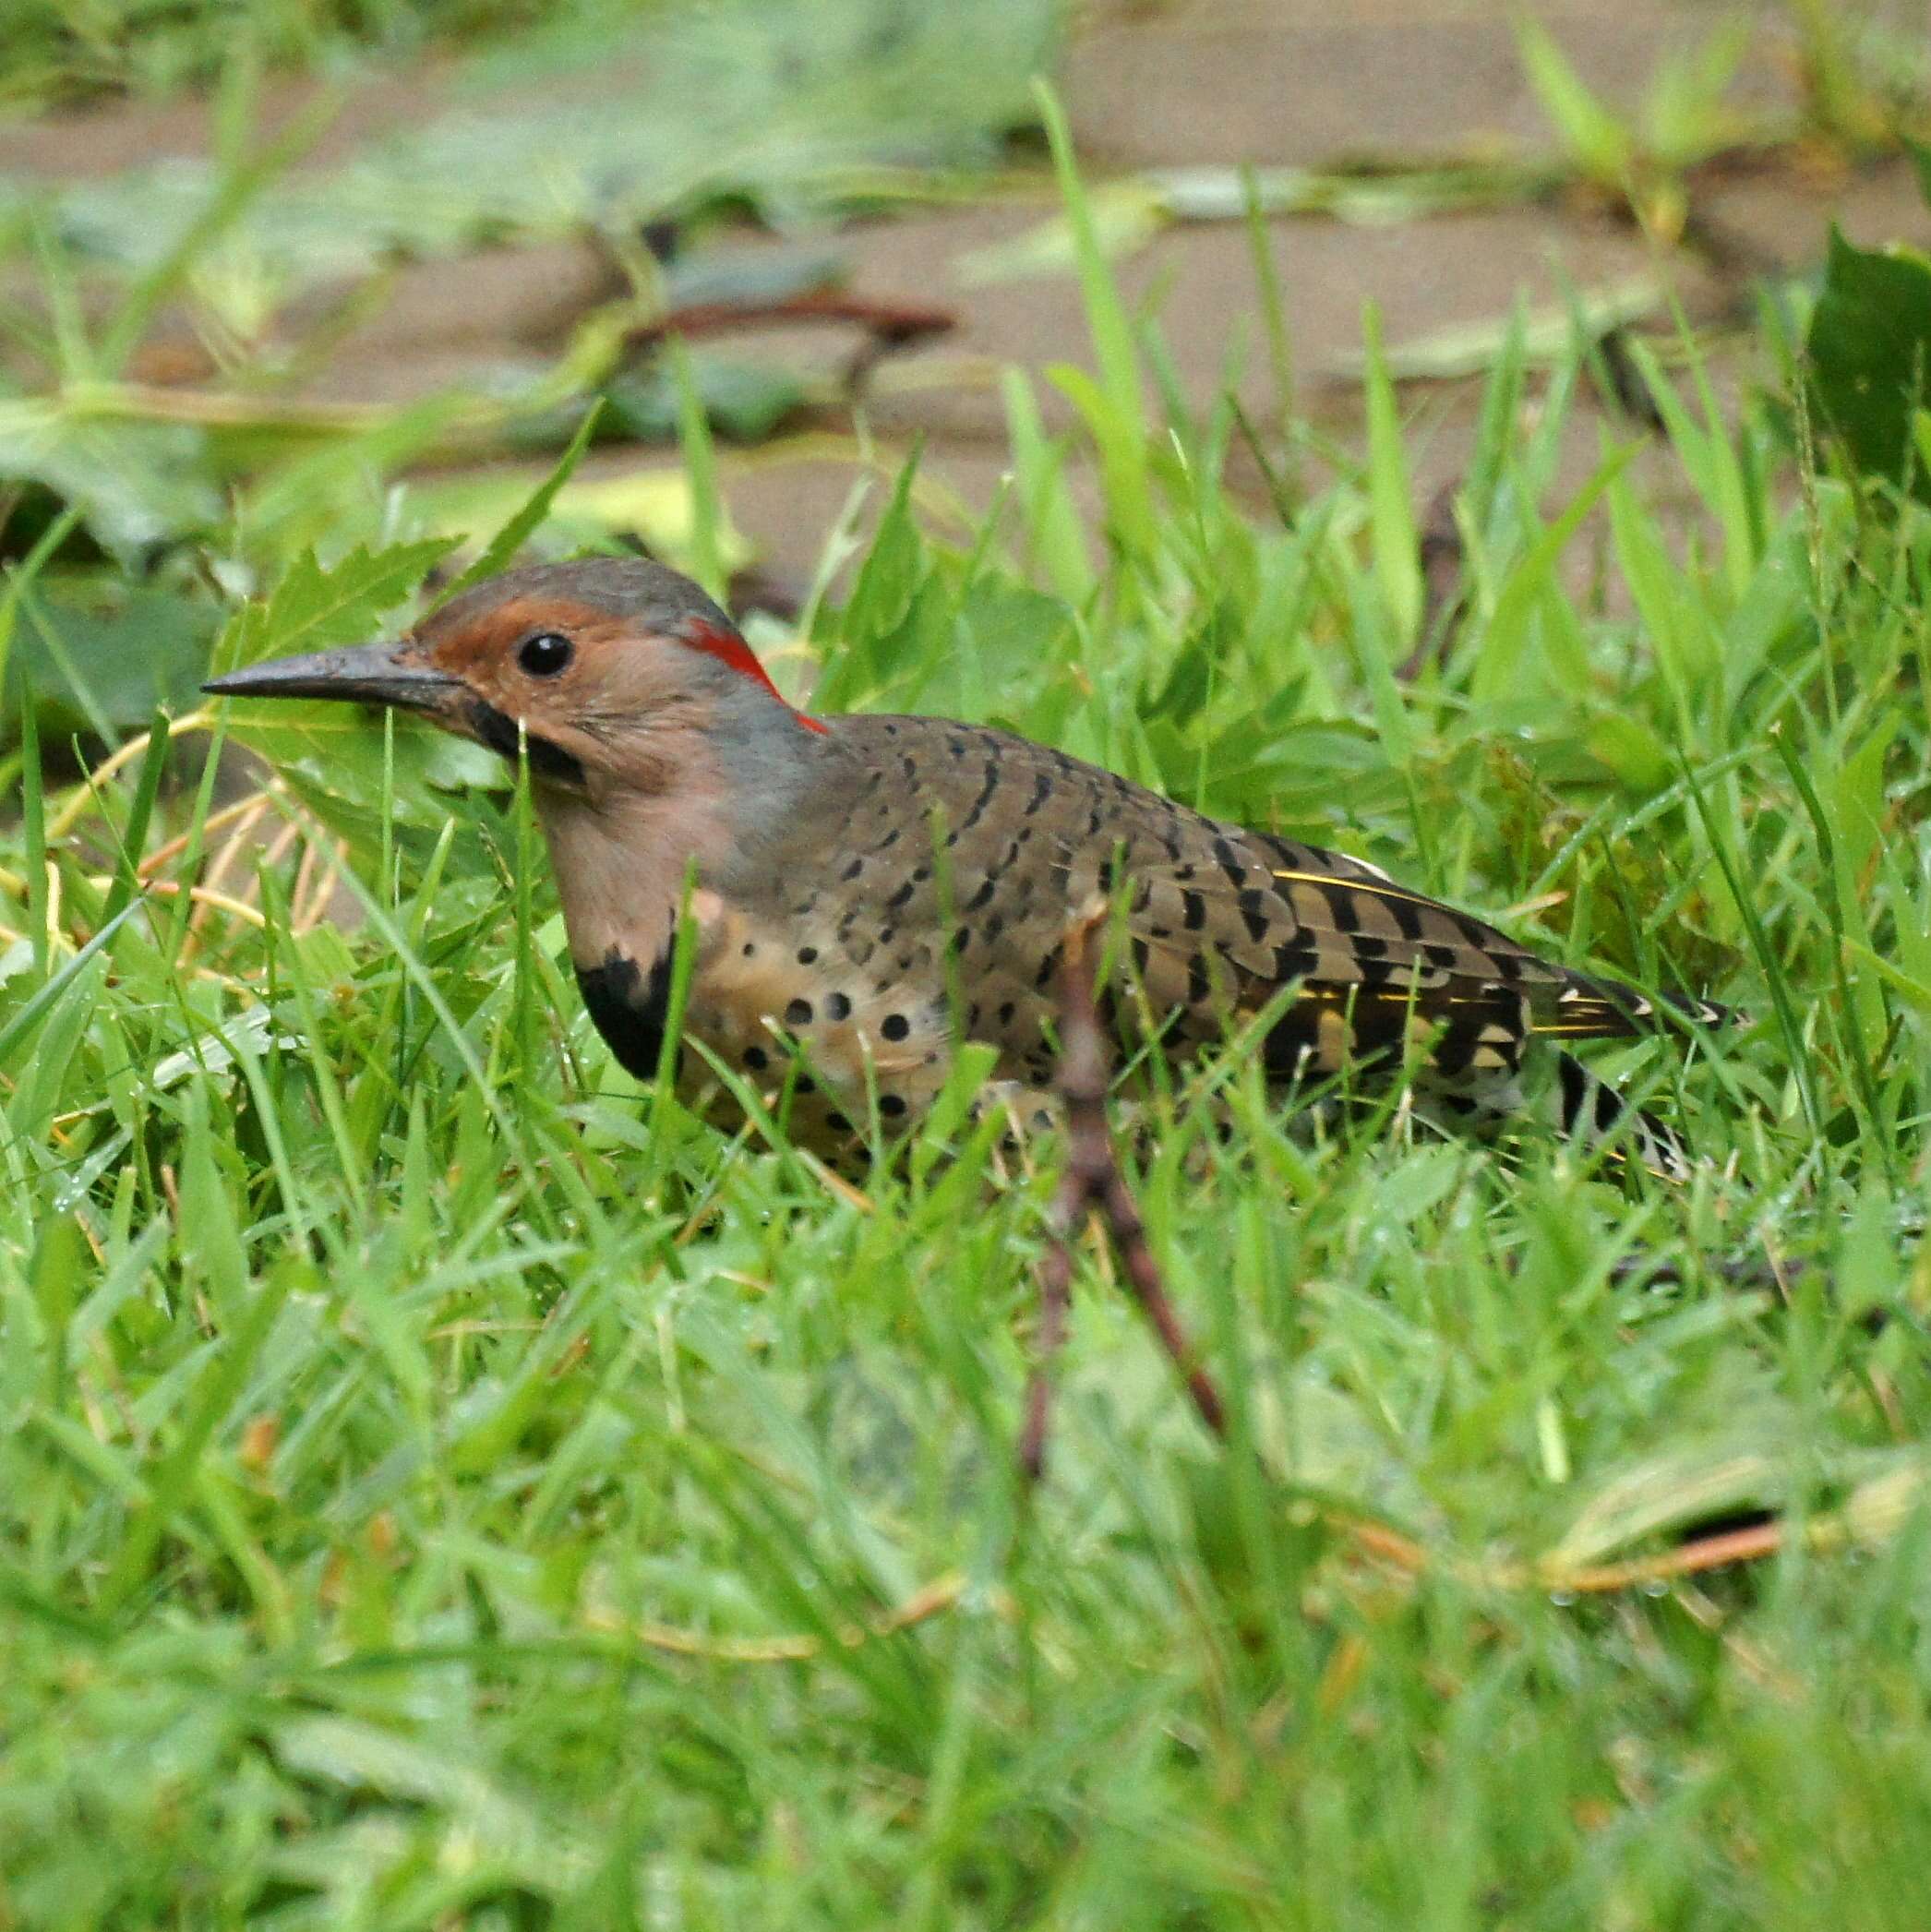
pixel 441 1483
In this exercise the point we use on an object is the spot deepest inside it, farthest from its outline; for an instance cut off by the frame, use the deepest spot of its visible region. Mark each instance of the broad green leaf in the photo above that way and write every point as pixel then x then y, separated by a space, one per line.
pixel 1870 355
pixel 127 647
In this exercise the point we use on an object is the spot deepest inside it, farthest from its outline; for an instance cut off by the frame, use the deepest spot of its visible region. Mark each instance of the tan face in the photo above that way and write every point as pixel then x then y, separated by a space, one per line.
pixel 533 658
pixel 564 678
pixel 593 696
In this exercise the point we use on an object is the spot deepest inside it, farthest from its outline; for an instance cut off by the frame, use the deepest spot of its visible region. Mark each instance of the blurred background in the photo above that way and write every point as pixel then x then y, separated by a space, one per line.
pixel 441 1486
pixel 262 261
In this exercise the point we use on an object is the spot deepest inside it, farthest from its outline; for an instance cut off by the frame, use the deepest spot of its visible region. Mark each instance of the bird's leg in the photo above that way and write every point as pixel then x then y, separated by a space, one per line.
pixel 1092 1183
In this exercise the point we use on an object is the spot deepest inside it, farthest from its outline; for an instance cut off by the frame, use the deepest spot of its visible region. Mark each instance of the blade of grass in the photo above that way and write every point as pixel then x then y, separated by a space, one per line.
pixel 1119 426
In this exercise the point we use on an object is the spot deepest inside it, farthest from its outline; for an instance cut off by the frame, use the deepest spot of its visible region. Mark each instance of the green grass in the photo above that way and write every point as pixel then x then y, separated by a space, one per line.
pixel 68 51
pixel 441 1484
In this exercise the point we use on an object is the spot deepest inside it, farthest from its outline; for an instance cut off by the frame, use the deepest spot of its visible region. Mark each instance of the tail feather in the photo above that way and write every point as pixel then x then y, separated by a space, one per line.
pixel 1586 1008
pixel 1593 1111
pixel 1703 1013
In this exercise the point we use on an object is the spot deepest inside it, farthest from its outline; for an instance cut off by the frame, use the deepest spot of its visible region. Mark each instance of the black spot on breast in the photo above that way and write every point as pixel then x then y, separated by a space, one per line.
pixel 798 1013
pixel 895 1025
pixel 499 731
pixel 629 1008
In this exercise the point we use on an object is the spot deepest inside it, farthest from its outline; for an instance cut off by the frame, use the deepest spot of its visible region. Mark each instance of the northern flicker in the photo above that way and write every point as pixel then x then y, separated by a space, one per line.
pixel 870 889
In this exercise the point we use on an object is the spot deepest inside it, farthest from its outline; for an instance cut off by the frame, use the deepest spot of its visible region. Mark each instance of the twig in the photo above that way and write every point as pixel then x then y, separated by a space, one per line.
pixel 303 919
pixel 1442 582
pixel 208 896
pixel 1687 1559
pixel 249 807
pixel 941 1595
pixel 893 325
pixel 886 328
pixel 212 880
pixel 88 792
pixel 1091 1184
pixel 1055 1300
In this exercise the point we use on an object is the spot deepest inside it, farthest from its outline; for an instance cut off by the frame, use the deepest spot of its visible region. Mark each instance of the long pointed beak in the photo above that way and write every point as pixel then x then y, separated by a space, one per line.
pixel 364 674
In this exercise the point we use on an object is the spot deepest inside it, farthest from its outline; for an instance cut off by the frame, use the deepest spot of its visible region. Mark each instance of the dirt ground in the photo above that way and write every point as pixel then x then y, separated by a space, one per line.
pixel 1272 82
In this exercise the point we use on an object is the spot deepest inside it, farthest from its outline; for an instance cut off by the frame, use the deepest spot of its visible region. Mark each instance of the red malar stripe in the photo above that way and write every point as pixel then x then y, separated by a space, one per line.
pixel 730 649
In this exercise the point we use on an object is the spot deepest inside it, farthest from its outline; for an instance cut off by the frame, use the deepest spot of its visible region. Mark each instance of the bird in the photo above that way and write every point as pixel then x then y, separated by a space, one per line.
pixel 864 893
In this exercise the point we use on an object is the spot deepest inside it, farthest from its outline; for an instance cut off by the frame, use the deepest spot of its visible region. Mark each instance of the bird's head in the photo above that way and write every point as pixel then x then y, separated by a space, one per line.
pixel 607 669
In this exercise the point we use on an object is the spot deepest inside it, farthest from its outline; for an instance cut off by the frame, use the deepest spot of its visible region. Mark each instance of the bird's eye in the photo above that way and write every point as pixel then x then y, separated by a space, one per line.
pixel 544 654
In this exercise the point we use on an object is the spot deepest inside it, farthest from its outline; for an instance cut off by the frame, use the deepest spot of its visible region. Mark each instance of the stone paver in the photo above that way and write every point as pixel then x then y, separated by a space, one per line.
pixel 1285 82
pixel 1782 218
pixel 1457 271
pixel 1310 85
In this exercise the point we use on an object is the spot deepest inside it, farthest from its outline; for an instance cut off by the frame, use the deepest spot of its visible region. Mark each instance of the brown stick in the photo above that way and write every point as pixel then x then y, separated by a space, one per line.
pixel 1442 561
pixel 1092 1183
pixel 890 323
pixel 1055 1300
